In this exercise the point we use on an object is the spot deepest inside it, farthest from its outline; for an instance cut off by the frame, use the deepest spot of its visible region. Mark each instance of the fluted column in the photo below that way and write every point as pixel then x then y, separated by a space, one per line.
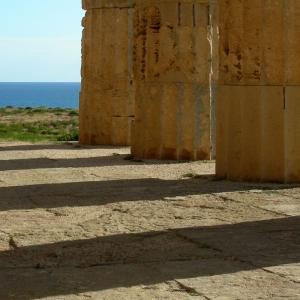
pixel 107 93
pixel 258 100
pixel 172 70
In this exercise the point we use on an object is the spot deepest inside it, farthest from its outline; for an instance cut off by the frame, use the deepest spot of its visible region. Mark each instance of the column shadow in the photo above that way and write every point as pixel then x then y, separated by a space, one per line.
pixel 97 193
pixel 54 146
pixel 49 163
pixel 147 258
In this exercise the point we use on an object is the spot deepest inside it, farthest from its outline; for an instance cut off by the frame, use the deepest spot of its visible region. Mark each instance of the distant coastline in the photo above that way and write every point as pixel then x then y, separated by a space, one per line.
pixel 40 94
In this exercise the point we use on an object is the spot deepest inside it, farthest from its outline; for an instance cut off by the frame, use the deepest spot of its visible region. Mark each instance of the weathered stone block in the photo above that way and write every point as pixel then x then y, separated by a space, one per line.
pixel 155 54
pixel 172 71
pixel 107 72
pixel 258 107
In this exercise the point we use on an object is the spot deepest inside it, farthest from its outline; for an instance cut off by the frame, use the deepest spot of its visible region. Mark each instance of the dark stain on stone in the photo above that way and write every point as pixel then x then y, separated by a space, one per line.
pixel 238 66
pixel 226 50
pixel 202 155
pixel 156 50
pixel 155 19
pixel 256 74
pixel 239 75
pixel 186 154
pixel 169 153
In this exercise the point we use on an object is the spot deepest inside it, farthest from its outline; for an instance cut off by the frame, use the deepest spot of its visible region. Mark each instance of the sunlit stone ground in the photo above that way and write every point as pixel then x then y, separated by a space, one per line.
pixel 91 223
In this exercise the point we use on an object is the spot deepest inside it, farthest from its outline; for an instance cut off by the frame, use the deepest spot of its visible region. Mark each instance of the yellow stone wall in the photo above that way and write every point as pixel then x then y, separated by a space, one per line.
pixel 258 100
pixel 107 93
pixel 172 68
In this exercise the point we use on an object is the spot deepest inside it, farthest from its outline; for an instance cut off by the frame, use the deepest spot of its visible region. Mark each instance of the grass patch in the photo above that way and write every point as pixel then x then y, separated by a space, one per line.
pixel 73 113
pixel 72 136
pixel 38 124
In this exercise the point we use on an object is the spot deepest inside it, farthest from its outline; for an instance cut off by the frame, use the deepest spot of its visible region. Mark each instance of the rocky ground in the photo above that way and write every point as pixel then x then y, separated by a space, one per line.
pixel 91 223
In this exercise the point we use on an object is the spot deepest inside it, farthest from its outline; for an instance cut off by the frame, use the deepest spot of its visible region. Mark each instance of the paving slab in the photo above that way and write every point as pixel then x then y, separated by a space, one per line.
pixel 92 223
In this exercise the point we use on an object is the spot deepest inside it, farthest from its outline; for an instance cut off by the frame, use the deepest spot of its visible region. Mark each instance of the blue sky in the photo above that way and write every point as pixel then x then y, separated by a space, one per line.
pixel 40 40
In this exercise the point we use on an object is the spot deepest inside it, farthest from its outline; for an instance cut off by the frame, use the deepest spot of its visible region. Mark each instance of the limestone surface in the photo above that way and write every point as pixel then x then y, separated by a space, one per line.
pixel 172 71
pixel 93 223
pixel 258 128
pixel 146 77
pixel 107 86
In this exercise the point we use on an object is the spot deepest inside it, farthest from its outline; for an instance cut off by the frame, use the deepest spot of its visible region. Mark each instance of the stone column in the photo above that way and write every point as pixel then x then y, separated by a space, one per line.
pixel 107 94
pixel 258 102
pixel 172 68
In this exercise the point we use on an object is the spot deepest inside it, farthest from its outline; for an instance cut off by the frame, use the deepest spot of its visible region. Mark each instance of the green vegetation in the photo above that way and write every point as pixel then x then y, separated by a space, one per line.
pixel 9 110
pixel 38 124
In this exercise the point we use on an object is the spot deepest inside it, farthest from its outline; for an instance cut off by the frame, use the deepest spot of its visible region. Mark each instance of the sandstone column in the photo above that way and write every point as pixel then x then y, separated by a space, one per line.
pixel 172 55
pixel 107 94
pixel 258 102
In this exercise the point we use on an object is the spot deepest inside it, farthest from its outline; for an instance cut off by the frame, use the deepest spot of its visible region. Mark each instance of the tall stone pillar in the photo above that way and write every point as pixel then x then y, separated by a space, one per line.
pixel 107 94
pixel 172 68
pixel 258 101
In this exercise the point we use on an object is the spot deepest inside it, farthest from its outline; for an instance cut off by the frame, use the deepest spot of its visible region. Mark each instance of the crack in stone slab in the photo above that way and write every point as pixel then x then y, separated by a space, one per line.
pixel 227 256
pixel 199 245
pixel 189 290
pixel 227 198
pixel 281 275
pixel 108 264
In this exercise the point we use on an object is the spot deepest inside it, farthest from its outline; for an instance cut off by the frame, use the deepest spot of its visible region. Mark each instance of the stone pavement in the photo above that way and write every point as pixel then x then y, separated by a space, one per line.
pixel 92 223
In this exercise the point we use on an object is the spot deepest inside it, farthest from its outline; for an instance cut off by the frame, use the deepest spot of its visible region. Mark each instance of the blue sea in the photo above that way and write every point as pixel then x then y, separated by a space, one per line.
pixel 65 95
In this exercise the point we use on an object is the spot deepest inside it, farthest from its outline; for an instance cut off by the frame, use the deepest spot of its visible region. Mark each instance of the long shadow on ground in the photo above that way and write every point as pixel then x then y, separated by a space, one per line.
pixel 147 258
pixel 52 146
pixel 112 191
pixel 85 162
pixel 47 163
